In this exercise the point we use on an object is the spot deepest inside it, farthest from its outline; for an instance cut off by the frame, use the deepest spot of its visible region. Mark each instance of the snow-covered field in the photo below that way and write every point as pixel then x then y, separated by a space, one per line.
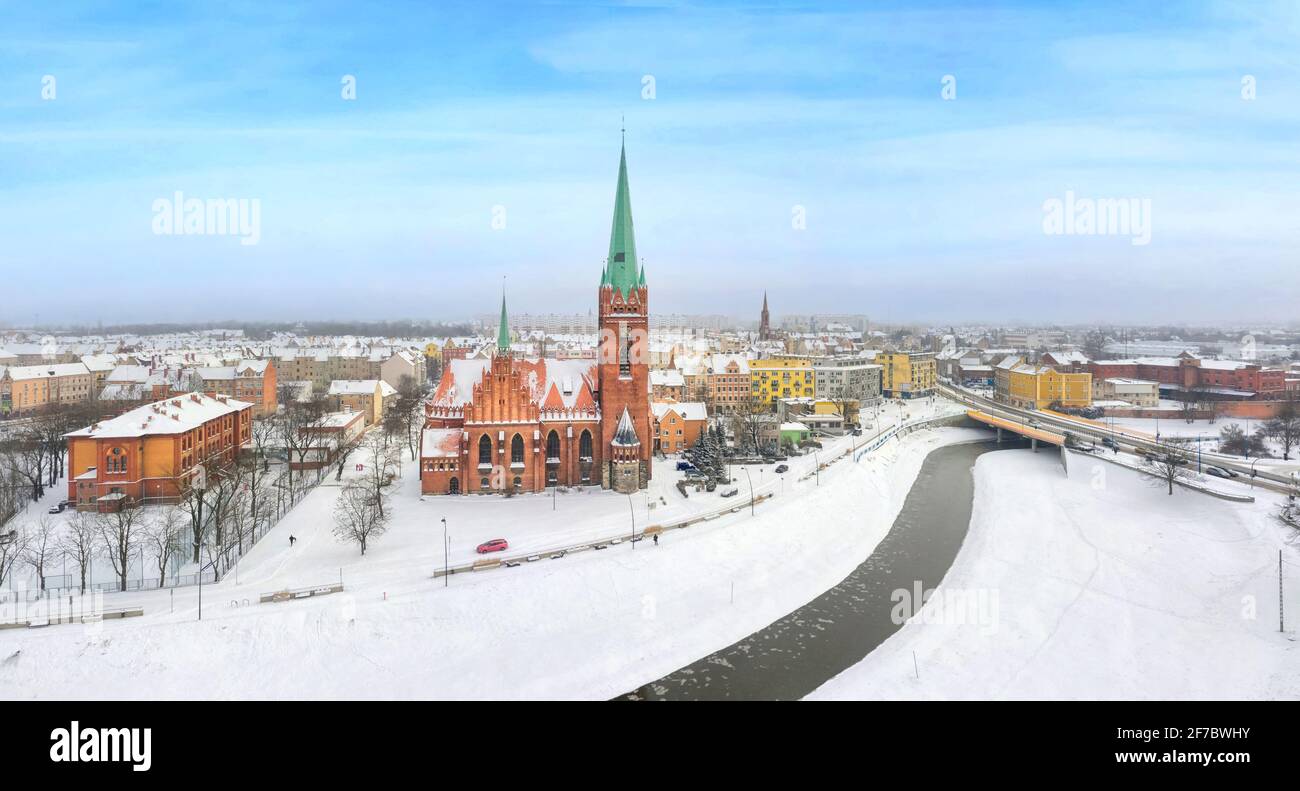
pixel 1106 588
pixel 592 625
pixel 1207 431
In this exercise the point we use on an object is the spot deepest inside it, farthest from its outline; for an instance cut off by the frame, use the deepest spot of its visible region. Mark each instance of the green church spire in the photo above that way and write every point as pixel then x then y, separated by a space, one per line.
pixel 621 268
pixel 503 332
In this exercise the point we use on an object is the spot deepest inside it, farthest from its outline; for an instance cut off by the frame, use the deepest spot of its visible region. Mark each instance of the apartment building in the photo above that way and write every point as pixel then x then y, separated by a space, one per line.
pixel 1040 386
pixel 781 377
pixel 847 379
pixel 907 374
pixel 25 388
pixel 253 381
pixel 728 383
pixel 368 396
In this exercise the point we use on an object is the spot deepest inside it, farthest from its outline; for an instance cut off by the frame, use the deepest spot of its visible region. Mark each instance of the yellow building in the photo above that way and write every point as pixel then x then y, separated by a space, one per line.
pixel 781 377
pixel 1039 387
pixel 907 374
pixel 24 388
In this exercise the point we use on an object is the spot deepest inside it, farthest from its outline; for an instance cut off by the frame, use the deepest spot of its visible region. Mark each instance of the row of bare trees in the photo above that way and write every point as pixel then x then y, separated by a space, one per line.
pixel 81 539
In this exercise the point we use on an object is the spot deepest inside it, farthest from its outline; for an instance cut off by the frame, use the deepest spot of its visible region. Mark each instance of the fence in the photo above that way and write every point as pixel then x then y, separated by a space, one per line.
pixel 286 497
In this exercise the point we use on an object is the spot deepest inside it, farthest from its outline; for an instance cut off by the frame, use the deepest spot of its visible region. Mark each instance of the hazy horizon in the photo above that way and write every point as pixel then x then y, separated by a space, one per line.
pixel 915 208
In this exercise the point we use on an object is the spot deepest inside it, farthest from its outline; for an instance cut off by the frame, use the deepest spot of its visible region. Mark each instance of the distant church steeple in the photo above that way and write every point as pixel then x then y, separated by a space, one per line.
pixel 764 327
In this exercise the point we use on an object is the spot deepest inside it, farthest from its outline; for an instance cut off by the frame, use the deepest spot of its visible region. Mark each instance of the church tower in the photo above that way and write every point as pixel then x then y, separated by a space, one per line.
pixel 623 365
pixel 764 328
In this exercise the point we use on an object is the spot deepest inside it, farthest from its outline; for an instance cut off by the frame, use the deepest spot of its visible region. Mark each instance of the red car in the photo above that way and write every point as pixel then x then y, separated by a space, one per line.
pixel 495 545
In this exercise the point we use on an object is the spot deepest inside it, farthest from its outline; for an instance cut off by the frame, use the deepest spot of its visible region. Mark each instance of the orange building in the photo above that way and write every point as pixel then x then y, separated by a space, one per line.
pixel 146 454
pixel 678 426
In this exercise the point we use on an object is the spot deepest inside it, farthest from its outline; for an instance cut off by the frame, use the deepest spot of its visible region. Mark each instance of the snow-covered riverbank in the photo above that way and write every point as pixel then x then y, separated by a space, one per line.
pixel 1106 587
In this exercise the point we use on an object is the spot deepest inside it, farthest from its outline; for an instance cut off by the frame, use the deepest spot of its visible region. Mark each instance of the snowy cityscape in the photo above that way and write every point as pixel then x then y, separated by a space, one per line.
pixel 633 353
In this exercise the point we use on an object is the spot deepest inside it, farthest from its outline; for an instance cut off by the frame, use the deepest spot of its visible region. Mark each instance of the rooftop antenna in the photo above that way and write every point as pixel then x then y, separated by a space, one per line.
pixel 622 131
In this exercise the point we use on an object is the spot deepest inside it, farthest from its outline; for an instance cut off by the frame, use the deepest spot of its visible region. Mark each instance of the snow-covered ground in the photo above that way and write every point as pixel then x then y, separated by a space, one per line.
pixel 592 625
pixel 1207 431
pixel 1106 587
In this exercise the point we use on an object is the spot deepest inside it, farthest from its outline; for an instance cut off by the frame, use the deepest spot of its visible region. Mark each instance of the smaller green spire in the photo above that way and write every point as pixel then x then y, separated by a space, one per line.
pixel 503 332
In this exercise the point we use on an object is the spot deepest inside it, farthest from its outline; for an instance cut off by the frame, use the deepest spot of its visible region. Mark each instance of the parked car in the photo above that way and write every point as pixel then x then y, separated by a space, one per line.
pixel 782 468
pixel 731 493
pixel 1217 472
pixel 685 465
pixel 495 545
pixel 1110 443
pixel 57 509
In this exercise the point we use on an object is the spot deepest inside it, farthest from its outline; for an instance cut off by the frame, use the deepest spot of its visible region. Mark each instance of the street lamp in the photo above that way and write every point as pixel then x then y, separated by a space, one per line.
pixel 632 509
pixel 446 548
pixel 211 563
pixel 751 490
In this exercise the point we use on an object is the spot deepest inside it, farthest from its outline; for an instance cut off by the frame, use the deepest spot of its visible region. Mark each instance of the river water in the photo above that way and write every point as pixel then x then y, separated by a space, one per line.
pixel 798 653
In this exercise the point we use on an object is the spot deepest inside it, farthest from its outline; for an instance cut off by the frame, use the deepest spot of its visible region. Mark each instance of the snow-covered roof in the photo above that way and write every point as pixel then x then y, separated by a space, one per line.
pixel 625 433
pixel 440 443
pixel 689 410
pixel 667 378
pixel 49 371
pixel 553 384
pixel 172 416
pixel 718 363
pixel 361 387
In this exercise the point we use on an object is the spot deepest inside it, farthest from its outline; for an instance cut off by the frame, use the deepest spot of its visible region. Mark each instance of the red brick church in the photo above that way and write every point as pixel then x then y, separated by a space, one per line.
pixel 524 424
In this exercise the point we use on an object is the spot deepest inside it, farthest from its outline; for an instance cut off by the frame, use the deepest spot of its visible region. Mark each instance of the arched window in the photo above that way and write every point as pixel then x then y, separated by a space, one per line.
pixel 584 446
pixel 115 461
pixel 454 486
pixel 517 450
pixel 485 450
pixel 552 447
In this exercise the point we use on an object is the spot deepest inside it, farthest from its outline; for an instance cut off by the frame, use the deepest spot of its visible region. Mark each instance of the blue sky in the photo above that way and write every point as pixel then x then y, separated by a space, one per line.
pixel 917 207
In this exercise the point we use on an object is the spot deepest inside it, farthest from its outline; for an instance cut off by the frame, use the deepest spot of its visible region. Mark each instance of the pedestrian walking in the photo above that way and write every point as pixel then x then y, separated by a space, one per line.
pixel 291 541
pixel 656 539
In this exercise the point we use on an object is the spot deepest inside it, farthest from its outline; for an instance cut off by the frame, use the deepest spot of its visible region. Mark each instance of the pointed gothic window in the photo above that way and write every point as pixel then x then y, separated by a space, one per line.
pixel 484 450
pixel 584 446
pixel 517 450
pixel 552 447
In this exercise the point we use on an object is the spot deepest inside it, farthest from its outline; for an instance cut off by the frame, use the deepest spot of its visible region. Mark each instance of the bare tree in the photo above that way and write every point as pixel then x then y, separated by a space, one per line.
pixel 359 516
pixel 1168 464
pixel 78 543
pixel 406 418
pixel 13 548
pixel 120 532
pixel 1284 427
pixel 162 538
pixel 301 426
pixel 380 460
pixel 752 423
pixel 42 546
